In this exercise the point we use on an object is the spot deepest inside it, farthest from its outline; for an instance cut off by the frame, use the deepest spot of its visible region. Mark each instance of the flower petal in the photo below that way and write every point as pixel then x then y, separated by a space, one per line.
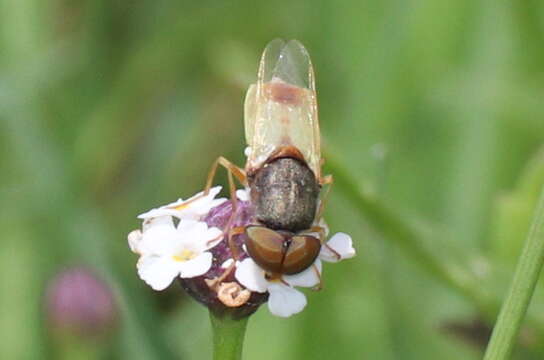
pixel 211 194
pixel 212 237
pixel 165 220
pixel 307 278
pixel 200 204
pixel 247 151
pixel 189 225
pixel 242 194
pixel 198 235
pixel 216 202
pixel 227 263
pixel 159 239
pixel 157 271
pixel 156 213
pixel 284 300
pixel 339 247
pixel 193 208
pixel 197 266
pixel 134 238
pixel 249 274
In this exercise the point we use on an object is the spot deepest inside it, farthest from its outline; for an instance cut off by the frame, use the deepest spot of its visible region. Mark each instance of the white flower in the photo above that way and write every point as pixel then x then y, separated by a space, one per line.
pixel 167 251
pixel 247 151
pixel 284 300
pixel 339 247
pixel 193 208
pixel 242 194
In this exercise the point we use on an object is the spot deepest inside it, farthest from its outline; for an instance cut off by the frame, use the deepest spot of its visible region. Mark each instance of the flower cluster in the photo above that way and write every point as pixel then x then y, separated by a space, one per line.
pixel 188 240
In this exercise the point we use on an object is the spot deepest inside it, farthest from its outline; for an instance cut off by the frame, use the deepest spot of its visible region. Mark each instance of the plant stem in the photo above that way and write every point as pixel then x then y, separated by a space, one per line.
pixel 515 306
pixel 228 337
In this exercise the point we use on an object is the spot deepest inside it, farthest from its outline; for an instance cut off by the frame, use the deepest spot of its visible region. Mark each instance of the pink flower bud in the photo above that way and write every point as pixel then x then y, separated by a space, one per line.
pixel 79 302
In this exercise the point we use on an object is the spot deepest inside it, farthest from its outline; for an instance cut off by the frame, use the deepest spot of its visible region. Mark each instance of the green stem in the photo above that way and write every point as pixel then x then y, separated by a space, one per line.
pixel 515 306
pixel 228 337
pixel 72 348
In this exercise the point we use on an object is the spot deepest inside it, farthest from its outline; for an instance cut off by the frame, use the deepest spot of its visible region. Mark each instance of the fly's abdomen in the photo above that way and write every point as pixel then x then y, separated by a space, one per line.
pixel 284 194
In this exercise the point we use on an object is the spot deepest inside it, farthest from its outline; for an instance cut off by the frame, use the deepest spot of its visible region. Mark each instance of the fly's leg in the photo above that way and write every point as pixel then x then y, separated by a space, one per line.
pixel 230 239
pixel 229 231
pixel 322 234
pixel 315 229
pixel 239 173
pixel 326 180
pixel 319 286
pixel 213 283
pixel 231 169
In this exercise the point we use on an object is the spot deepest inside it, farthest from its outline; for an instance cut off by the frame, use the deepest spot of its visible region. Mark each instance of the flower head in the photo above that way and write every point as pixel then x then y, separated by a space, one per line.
pixel 206 251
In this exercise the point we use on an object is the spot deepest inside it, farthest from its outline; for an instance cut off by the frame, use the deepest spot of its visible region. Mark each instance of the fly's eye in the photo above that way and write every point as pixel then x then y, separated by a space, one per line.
pixel 301 254
pixel 265 246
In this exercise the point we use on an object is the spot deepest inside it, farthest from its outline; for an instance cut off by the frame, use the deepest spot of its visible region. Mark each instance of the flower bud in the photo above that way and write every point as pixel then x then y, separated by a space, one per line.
pixel 79 303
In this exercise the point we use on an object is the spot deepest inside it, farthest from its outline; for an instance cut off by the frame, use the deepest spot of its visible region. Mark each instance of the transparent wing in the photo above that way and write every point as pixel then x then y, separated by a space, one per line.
pixel 281 109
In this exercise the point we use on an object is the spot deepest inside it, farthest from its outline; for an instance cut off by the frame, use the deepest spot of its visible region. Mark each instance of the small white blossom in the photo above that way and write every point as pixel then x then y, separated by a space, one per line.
pixel 284 300
pixel 339 247
pixel 134 238
pixel 242 194
pixel 194 208
pixel 167 251
pixel 247 151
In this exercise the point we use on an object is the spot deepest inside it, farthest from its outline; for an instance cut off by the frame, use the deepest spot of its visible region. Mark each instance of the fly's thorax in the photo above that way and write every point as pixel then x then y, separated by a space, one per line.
pixel 284 194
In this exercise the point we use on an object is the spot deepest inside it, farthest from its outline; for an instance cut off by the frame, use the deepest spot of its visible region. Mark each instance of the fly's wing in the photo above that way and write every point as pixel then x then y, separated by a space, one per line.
pixel 281 108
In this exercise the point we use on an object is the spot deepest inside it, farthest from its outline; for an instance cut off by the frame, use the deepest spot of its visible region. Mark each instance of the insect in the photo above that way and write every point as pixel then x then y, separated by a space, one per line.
pixel 283 168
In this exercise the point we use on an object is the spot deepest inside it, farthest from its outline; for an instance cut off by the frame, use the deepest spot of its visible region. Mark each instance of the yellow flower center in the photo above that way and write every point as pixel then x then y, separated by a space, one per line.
pixel 184 255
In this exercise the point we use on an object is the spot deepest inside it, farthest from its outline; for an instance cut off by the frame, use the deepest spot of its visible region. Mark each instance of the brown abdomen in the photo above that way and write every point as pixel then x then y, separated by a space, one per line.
pixel 284 194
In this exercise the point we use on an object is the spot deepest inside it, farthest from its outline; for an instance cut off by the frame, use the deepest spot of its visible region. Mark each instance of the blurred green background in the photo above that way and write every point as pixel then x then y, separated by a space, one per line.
pixel 110 108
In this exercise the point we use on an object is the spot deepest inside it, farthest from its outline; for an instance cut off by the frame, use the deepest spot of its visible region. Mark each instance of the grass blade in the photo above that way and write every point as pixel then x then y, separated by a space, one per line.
pixel 521 291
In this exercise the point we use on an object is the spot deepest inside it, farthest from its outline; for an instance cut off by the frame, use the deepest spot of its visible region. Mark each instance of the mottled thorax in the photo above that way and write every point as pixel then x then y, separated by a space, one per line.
pixel 285 193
